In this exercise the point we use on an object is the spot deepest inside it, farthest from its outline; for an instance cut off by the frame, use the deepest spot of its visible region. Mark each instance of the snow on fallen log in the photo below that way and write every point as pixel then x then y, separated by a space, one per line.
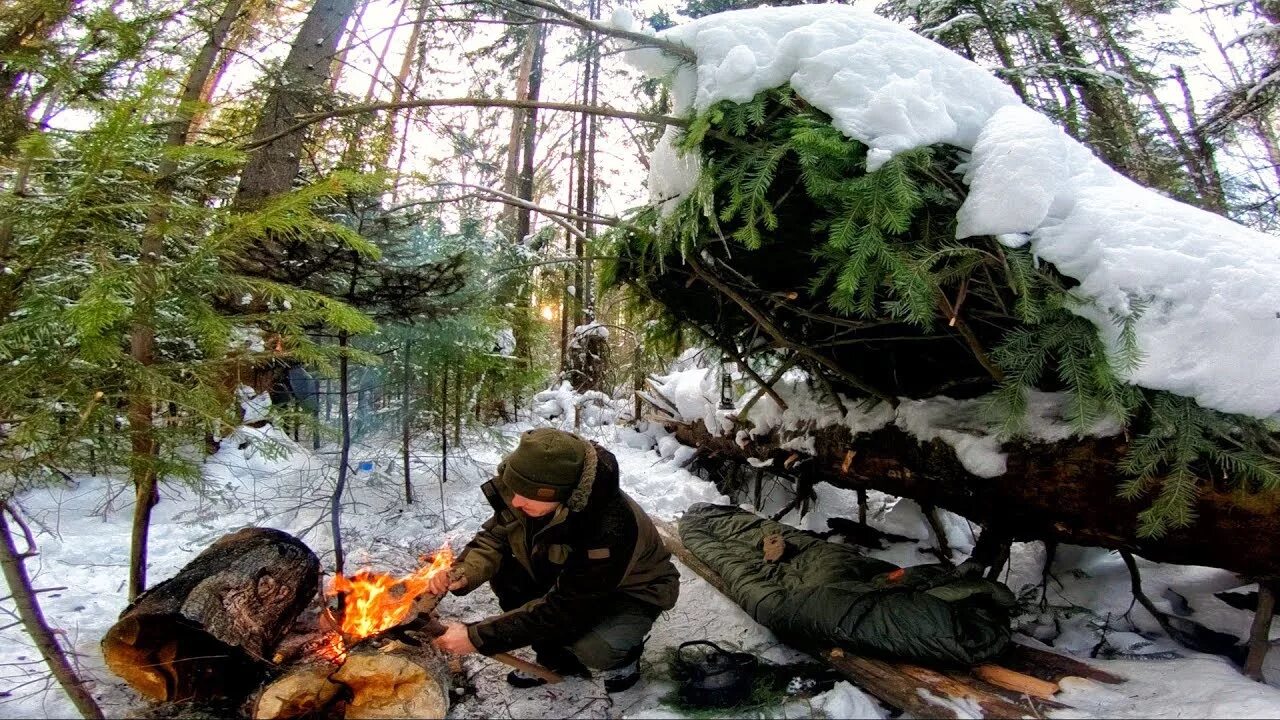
pixel 1063 491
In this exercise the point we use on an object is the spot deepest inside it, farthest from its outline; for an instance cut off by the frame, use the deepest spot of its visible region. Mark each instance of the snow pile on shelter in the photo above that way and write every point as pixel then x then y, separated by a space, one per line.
pixel 1205 290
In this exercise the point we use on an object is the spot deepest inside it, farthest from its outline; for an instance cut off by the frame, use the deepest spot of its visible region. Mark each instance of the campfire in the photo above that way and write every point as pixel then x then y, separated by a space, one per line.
pixel 374 602
pixel 248 609
pixel 371 655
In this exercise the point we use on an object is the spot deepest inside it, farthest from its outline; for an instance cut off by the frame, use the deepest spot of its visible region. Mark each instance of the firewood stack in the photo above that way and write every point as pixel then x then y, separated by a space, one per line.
pixel 247 611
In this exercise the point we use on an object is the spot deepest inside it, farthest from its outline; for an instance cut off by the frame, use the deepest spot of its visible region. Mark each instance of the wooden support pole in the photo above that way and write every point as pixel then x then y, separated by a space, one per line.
pixel 1260 633
pixel 406 406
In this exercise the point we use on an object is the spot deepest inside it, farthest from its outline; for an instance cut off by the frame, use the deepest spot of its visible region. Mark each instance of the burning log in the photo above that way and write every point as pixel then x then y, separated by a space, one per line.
pixel 207 631
pixel 372 659
pixel 394 675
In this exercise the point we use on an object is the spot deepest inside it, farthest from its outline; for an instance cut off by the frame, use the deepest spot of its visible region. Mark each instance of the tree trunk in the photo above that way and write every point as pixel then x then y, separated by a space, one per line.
pixel 29 612
pixel 511 175
pixel 144 447
pixel 344 461
pixel 1203 149
pixel 272 168
pixel 207 631
pixel 1065 492
pixel 406 409
pixel 529 139
pixel 1260 633
pixel 996 32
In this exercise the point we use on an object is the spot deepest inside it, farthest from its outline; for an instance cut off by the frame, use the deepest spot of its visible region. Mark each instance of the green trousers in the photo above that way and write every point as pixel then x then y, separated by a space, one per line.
pixel 615 641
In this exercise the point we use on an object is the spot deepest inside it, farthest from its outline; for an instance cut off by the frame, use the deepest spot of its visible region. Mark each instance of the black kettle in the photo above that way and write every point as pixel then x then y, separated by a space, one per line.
pixel 716 678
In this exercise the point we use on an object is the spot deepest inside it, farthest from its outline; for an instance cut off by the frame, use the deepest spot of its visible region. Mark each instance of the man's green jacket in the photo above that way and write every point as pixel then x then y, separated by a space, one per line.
pixel 597 547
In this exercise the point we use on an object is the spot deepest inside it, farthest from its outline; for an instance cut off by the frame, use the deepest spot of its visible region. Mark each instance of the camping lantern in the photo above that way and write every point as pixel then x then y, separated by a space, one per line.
pixel 726 384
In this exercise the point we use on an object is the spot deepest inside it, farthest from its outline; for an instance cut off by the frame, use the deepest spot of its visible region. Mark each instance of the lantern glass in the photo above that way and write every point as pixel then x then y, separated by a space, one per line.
pixel 726 384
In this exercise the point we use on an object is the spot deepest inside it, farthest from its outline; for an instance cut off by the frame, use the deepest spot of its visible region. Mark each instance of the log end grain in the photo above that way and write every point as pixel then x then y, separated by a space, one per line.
pixel 390 686
pixel 303 692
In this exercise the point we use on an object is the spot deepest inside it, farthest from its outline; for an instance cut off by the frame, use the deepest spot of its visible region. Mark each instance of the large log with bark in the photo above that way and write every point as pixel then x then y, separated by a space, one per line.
pixel 207 632
pixel 1063 491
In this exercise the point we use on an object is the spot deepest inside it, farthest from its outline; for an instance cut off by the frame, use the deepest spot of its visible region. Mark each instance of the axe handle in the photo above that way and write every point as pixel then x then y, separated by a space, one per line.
pixel 531 668
pixel 435 628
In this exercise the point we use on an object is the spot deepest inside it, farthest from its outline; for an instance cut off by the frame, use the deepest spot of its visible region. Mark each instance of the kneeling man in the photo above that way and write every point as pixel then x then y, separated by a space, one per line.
pixel 578 567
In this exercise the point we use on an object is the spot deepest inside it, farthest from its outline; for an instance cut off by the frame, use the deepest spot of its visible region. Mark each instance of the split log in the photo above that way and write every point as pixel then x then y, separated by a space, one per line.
pixel 400 675
pixel 1057 492
pixel 205 632
pixel 915 689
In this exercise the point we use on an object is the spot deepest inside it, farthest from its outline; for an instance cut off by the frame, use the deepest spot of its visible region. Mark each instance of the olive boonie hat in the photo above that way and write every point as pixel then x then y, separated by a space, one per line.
pixel 546 466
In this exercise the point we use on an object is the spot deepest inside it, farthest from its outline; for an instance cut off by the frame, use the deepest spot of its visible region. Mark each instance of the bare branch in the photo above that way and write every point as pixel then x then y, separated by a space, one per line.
pixel 308 119
pixel 681 51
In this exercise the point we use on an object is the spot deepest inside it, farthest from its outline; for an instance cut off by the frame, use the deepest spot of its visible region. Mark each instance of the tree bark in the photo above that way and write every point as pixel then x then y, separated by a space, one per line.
pixel 206 631
pixel 32 617
pixel 1260 633
pixel 511 175
pixel 1064 492
pixel 995 31
pixel 273 166
pixel 529 136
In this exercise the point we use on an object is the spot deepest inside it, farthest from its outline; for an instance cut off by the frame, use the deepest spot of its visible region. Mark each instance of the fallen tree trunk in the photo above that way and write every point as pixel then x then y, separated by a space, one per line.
pixel 1064 492
pixel 1008 691
pixel 207 631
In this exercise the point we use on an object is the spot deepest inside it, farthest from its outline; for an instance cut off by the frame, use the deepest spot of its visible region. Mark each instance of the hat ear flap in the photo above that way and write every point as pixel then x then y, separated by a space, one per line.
pixel 582 493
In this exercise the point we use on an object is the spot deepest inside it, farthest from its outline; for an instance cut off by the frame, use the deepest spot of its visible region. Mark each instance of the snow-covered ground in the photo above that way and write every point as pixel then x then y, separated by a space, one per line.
pixel 83 536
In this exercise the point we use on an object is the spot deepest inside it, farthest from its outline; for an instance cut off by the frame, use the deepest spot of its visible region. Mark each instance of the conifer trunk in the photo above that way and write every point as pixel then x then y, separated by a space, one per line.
pixel 511 175
pixel 144 446
pixel 996 32
pixel 529 138
pixel 303 76
pixel 1203 149
pixel 29 612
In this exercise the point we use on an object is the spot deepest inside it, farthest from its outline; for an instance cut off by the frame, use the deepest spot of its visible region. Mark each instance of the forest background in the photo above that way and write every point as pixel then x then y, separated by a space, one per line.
pixel 391 211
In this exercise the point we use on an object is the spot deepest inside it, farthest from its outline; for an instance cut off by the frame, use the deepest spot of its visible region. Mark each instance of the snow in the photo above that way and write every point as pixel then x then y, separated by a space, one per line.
pixel 582 332
pixel 695 394
pixel 504 342
pixel 255 406
pixel 1205 291
pixel 970 427
pixel 846 701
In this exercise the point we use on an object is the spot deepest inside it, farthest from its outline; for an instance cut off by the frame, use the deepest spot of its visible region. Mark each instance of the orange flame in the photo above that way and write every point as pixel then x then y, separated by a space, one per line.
pixel 332 648
pixel 377 601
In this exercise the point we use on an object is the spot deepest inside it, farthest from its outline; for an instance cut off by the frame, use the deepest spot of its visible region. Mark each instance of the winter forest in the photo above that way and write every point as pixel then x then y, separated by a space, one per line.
pixel 937 340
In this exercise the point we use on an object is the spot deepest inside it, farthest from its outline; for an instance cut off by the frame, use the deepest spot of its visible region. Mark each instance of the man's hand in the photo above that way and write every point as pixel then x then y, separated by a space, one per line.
pixel 440 582
pixel 455 640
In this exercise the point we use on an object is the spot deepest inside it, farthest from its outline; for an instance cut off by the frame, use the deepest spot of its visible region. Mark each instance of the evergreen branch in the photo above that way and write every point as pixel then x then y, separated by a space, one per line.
pixel 781 339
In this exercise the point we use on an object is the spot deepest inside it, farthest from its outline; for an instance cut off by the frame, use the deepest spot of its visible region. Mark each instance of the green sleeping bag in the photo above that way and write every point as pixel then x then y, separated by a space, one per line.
pixel 820 594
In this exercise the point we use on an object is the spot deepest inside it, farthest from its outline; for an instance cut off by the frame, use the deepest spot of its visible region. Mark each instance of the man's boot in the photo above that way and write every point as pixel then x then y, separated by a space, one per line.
pixel 625 675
